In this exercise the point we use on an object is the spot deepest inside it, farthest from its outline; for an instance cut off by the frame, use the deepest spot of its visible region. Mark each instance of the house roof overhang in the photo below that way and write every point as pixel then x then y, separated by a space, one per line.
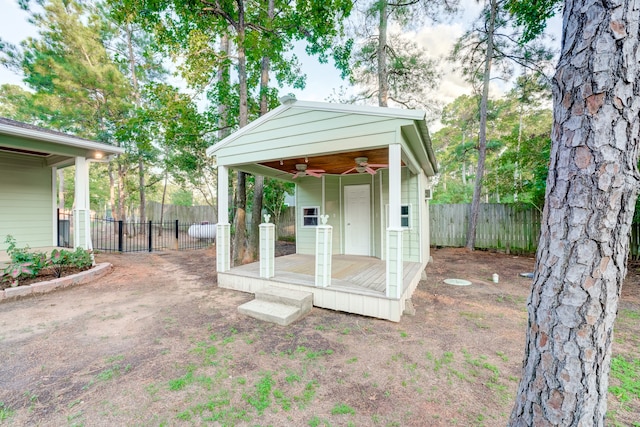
pixel 55 148
pixel 330 149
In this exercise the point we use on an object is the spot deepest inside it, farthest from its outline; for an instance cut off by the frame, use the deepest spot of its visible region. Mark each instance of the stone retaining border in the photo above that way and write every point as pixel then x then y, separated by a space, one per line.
pixel 81 278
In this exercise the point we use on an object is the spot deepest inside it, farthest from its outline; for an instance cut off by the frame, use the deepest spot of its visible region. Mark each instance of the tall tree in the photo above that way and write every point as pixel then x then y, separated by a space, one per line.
pixel 193 28
pixel 590 198
pixel 75 86
pixel 490 43
pixel 387 64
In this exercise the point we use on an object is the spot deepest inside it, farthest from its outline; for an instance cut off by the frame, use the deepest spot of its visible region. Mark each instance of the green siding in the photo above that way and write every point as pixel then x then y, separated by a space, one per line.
pixel 25 201
pixel 333 208
pixel 307 133
pixel 308 193
pixel 409 195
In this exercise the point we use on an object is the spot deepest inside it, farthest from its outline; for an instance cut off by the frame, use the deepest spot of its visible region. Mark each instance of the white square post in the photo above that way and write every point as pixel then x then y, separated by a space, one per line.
pixel 223 229
pixel 394 232
pixel 81 217
pixel 267 248
pixel 323 252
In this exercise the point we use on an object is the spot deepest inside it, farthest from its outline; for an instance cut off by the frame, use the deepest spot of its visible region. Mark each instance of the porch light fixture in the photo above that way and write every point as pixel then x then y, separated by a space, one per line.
pixel 98 155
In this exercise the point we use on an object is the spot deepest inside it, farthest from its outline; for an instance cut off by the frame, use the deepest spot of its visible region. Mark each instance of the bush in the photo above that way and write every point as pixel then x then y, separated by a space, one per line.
pixel 25 264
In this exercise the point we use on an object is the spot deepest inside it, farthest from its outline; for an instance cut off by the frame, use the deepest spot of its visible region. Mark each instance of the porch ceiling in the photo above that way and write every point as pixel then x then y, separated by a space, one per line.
pixel 335 163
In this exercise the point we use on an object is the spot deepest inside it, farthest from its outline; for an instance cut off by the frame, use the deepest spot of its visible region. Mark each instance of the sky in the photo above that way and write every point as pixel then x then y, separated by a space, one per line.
pixel 323 80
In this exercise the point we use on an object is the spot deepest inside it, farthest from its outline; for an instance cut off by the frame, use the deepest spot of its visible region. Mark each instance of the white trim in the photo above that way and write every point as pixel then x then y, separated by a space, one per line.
pixel 341 215
pixel 395 185
pixel 68 140
pixel 54 205
pixel 223 195
pixel 302 224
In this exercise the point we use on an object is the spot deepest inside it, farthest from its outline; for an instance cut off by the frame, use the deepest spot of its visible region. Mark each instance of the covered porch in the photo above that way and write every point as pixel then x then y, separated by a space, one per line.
pixel 357 285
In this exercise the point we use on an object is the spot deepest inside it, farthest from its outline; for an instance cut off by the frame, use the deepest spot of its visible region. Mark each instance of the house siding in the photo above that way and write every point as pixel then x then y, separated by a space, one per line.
pixel 333 208
pixel 25 201
pixel 305 133
pixel 409 195
pixel 308 193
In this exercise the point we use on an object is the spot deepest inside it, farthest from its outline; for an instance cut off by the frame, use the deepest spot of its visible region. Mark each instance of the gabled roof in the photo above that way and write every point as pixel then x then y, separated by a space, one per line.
pixel 241 146
pixel 56 147
pixel 289 103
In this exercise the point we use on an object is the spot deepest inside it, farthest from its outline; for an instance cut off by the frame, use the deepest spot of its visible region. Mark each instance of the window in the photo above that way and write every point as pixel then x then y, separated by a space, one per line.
pixel 404 216
pixel 310 216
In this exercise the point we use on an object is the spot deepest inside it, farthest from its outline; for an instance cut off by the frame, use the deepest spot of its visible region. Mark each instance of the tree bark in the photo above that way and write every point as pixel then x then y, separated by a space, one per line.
pixel 383 78
pixel 482 137
pixel 240 238
pixel 258 184
pixel 138 104
pixel 584 244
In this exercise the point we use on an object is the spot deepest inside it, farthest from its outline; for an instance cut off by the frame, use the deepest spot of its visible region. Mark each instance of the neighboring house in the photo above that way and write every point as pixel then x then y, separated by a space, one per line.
pixel 29 159
pixel 368 169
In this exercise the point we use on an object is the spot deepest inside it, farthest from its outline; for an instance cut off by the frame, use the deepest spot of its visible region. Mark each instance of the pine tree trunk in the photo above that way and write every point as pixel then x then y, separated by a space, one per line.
pixel 258 184
pixel 240 238
pixel 482 137
pixel 383 78
pixel 584 244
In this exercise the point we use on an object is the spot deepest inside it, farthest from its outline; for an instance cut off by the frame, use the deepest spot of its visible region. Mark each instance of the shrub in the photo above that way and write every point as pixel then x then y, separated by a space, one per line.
pixel 25 264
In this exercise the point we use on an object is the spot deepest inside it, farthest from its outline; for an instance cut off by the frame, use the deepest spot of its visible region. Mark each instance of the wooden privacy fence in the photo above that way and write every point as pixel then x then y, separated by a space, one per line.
pixel 186 214
pixel 503 227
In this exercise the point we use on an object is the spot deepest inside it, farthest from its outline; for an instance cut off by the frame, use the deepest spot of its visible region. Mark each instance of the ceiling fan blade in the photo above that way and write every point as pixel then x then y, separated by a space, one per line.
pixel 372 165
pixel 348 171
pixel 315 172
pixel 370 170
pixel 295 175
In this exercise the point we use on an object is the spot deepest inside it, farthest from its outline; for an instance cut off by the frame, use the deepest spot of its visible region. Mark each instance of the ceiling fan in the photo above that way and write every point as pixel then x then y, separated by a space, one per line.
pixel 301 170
pixel 363 166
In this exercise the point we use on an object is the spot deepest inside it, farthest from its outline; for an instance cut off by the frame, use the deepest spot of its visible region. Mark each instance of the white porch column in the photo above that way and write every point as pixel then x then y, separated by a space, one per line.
pixel 81 213
pixel 394 232
pixel 323 252
pixel 223 231
pixel 54 205
pixel 267 248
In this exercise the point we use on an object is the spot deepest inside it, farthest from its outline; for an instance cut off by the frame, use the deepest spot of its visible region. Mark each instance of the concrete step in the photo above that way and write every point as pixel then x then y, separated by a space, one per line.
pixel 300 299
pixel 273 312
pixel 278 305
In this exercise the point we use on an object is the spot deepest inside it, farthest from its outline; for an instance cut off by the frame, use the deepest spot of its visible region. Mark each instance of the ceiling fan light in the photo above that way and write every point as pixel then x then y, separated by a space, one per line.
pixel 361 169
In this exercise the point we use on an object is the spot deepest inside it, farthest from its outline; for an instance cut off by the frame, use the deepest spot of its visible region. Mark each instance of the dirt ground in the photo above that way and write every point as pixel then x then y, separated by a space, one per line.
pixel 157 343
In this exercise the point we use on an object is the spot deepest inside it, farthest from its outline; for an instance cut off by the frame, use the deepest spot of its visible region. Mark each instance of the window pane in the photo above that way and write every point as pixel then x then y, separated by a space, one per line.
pixel 404 221
pixel 310 220
pixel 404 210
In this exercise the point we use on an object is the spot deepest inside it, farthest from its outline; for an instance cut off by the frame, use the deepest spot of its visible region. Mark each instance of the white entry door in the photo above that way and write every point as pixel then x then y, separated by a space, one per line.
pixel 357 219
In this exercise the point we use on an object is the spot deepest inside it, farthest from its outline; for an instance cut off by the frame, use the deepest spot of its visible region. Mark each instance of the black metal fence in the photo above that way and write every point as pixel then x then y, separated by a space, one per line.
pixel 109 235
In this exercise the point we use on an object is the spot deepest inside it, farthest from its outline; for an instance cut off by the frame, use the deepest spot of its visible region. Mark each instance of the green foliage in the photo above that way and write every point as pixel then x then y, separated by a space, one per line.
pixel 518 146
pixel 182 197
pixel 5 412
pixel 63 259
pixel 627 373
pixel 342 409
pixel 532 16
pixel 261 398
pixel 23 265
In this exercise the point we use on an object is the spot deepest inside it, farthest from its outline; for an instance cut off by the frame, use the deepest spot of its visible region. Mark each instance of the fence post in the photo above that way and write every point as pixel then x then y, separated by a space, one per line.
pixel 58 225
pixel 176 242
pixel 151 236
pixel 120 236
